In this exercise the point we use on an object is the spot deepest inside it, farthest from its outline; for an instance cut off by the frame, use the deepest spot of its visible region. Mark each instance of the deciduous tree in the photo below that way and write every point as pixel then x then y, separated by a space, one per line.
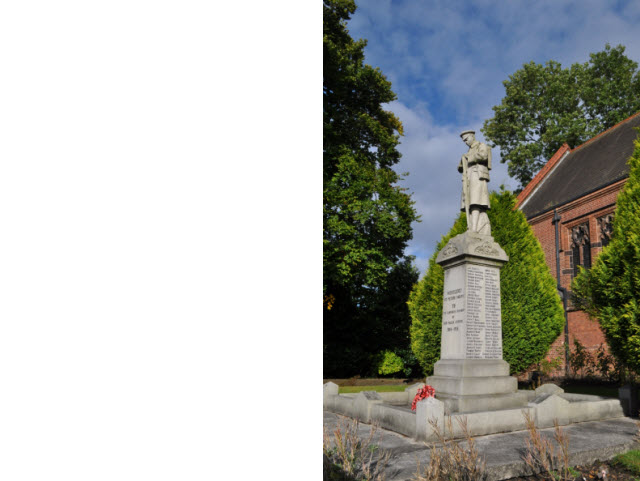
pixel 367 216
pixel 547 105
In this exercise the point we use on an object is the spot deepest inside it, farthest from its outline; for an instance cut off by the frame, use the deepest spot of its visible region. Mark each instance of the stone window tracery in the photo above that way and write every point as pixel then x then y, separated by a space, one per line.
pixel 580 247
pixel 605 226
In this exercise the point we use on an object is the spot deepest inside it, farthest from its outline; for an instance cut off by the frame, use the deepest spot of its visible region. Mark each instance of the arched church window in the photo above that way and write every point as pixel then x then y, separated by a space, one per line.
pixel 605 226
pixel 580 247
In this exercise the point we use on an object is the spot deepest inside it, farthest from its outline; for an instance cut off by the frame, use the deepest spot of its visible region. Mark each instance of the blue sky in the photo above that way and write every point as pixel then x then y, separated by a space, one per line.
pixel 447 61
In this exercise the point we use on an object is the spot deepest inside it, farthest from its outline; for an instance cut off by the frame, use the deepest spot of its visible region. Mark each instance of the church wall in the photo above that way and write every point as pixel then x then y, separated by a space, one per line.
pixel 579 229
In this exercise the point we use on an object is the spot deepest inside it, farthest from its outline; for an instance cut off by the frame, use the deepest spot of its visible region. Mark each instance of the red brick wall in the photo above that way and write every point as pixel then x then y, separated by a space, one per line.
pixel 581 211
pixel 586 330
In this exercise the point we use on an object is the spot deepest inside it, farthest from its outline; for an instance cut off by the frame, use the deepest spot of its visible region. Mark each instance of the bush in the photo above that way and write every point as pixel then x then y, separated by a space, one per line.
pixel 581 360
pixel 550 365
pixel 389 363
pixel 606 364
pixel 597 364
pixel 411 364
pixel 532 314
pixel 395 362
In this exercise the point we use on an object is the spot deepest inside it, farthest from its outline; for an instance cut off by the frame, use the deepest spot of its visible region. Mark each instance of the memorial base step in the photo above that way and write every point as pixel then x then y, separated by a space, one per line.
pixel 489 403
pixel 473 386
pixel 471 368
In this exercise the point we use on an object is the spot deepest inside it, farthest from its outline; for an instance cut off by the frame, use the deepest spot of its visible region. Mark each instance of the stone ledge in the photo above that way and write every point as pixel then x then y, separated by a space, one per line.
pixel 473 386
pixel 471 367
pixel 546 408
pixel 470 244
pixel 484 403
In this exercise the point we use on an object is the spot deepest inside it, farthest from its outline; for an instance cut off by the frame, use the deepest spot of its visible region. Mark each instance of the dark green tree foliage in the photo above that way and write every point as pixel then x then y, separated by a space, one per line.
pixel 610 290
pixel 532 315
pixel 366 215
pixel 547 105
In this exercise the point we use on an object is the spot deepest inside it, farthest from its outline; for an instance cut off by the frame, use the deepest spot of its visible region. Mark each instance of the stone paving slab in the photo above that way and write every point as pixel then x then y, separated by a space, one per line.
pixel 503 453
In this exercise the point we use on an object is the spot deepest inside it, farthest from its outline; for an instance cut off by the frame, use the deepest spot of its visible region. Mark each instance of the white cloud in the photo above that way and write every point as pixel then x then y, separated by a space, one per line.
pixel 447 63
pixel 430 153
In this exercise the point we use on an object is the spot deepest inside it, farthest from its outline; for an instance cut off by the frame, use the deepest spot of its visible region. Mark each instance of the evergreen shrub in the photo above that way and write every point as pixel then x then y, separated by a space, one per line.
pixel 532 314
pixel 389 363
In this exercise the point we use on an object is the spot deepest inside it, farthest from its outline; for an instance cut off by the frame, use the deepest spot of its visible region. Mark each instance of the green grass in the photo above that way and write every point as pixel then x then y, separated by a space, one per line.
pixel 387 388
pixel 607 391
pixel 629 460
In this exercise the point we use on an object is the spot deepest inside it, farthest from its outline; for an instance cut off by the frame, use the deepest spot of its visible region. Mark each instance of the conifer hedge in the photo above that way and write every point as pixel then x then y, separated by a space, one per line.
pixel 610 290
pixel 532 315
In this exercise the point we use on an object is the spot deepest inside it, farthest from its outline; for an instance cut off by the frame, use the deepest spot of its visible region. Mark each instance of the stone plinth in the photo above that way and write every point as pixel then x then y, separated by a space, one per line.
pixel 471 374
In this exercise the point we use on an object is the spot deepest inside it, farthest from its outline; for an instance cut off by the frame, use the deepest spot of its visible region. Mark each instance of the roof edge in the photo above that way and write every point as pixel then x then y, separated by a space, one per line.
pixel 595 189
pixel 605 131
pixel 539 177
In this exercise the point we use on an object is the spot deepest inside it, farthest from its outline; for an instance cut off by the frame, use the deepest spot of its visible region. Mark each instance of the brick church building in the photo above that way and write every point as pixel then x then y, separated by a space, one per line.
pixel 570 205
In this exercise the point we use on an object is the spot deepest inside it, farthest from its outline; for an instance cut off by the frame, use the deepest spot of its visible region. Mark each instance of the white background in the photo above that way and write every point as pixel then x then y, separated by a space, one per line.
pixel 160 178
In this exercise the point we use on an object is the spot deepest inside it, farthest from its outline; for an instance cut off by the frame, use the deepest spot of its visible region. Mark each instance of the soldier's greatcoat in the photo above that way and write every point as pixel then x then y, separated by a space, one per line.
pixel 479 164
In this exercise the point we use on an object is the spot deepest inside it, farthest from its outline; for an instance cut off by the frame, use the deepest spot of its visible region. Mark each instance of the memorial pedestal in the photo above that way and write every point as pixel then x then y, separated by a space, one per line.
pixel 471 374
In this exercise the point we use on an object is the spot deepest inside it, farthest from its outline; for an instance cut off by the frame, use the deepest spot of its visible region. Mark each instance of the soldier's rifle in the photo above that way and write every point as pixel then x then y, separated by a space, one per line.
pixel 465 187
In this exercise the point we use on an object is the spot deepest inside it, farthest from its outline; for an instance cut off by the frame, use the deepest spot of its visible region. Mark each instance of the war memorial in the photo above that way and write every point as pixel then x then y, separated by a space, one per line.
pixel 471 378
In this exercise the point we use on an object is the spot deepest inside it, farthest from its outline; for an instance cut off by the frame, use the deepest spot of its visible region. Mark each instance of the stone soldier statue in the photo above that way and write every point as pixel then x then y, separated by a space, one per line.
pixel 475 166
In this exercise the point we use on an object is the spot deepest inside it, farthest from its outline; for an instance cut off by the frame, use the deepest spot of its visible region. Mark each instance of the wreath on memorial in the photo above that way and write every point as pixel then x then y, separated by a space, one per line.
pixel 423 393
